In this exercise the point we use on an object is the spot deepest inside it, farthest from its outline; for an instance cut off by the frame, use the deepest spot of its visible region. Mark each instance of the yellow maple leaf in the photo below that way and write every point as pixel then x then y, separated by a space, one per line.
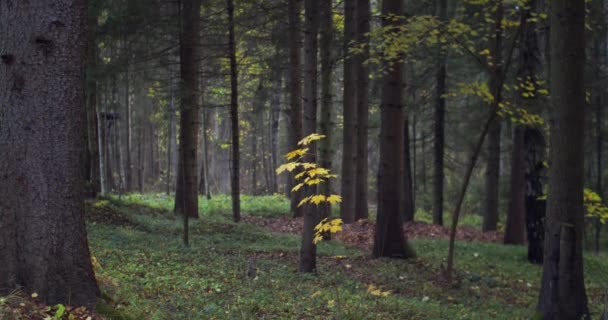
pixel 297 187
pixel 296 153
pixel 303 201
pixel 310 138
pixel 287 167
pixel 333 199
pixel 316 199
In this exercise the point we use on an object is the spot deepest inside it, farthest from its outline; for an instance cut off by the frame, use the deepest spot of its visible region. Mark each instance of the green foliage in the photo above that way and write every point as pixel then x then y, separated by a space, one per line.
pixel 154 277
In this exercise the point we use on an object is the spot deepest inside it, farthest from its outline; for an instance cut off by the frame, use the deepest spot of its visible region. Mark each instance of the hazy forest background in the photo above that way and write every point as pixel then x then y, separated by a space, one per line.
pixel 303 159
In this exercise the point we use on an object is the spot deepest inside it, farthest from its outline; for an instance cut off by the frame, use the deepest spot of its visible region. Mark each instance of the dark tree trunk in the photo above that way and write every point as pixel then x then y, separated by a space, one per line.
pixel 234 118
pixel 349 142
pixel 362 101
pixel 295 91
pixel 534 144
pixel 171 146
pixel 439 126
pixel 562 293
pixel 189 117
pixel 492 178
pixel 92 98
pixel 514 232
pixel 389 240
pixel 526 153
pixel 308 250
pixel 409 207
pixel 128 165
pixel 325 126
pixel 42 235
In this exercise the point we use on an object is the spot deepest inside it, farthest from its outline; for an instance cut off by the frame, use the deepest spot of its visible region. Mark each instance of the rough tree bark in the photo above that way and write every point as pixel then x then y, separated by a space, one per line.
pixel 43 241
pixel 389 240
pixel 349 141
pixel 562 293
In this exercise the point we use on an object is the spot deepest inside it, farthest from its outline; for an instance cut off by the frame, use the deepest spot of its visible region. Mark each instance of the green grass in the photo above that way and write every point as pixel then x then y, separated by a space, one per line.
pixel 146 271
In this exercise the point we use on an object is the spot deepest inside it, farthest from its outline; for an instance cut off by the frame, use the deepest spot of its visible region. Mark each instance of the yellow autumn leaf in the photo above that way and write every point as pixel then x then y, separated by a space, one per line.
pixel 297 187
pixel 318 238
pixel 296 153
pixel 333 199
pixel 312 137
pixel 318 172
pixel 316 199
pixel 312 182
pixel 287 167
pixel 303 201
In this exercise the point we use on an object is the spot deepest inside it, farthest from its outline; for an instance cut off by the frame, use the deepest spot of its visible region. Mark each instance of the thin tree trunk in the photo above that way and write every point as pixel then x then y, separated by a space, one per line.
pixel 349 136
pixel 439 125
pixel 408 193
pixel 308 250
pixel 325 126
pixel 92 98
pixel 363 13
pixel 516 217
pixel 42 228
pixel 492 178
pixel 234 117
pixel 295 89
pixel 562 293
pixel 171 146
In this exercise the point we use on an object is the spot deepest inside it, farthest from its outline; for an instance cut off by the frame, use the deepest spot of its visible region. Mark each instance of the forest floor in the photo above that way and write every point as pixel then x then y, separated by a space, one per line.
pixel 145 272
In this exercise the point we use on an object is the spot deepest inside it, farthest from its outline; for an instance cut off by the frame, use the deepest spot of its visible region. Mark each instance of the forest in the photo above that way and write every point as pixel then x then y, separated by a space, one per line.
pixel 303 159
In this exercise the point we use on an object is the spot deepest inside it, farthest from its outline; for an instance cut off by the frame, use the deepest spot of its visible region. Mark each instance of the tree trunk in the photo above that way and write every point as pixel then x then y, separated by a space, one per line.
pixel 189 117
pixel 525 153
pixel 409 207
pixel 171 146
pixel 389 240
pixel 92 98
pixel 308 250
pixel 439 125
pixel 234 117
pixel 562 293
pixel 516 216
pixel 492 178
pixel 295 89
pixel 325 149
pixel 349 136
pixel 128 165
pixel 363 14
pixel 535 146
pixel 42 66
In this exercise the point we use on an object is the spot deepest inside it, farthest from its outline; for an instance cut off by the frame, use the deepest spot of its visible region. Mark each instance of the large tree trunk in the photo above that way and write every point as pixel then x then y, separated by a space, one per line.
pixel 492 178
pixel 562 293
pixel 439 125
pixel 349 141
pixel 308 250
pixel 389 240
pixel 295 89
pixel 362 101
pixel 325 149
pixel 189 117
pixel 234 118
pixel 43 240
